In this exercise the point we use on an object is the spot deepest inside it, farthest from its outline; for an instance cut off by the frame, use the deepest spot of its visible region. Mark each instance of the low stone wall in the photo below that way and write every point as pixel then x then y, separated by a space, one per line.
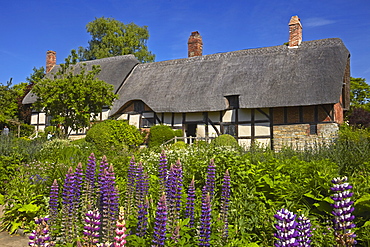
pixel 298 136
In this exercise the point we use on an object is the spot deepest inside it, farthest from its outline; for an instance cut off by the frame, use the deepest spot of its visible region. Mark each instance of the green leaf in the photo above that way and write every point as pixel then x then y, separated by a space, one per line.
pixel 29 208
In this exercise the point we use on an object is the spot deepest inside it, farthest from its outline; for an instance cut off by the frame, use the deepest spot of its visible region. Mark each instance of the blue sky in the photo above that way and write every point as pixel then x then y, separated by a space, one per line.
pixel 29 28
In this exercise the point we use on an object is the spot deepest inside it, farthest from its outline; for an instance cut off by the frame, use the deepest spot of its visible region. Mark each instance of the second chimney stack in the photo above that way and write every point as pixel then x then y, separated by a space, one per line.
pixel 195 45
pixel 51 60
pixel 295 32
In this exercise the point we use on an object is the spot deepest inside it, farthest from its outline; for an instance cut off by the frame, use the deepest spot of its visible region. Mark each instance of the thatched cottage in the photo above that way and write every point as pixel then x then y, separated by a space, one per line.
pixel 280 95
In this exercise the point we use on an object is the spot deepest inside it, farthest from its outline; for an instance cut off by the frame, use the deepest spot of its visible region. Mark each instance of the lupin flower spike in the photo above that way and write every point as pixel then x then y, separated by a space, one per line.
pixel 40 236
pixel 286 232
pixel 120 238
pixel 160 224
pixel 304 231
pixel 343 212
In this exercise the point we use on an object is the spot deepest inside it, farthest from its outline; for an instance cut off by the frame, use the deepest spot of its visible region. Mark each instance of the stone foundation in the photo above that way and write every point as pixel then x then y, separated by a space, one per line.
pixel 298 136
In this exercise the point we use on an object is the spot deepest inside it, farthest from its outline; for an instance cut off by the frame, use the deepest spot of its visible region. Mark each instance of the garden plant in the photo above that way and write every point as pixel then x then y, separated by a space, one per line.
pixel 196 195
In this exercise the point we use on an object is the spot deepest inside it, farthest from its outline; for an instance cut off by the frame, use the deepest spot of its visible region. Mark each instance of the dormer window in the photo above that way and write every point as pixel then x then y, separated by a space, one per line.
pixel 138 106
pixel 232 102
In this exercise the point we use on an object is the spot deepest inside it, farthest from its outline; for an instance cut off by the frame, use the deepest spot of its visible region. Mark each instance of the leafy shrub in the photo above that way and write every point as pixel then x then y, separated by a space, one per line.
pixel 8 169
pixel 160 134
pixel 179 145
pixel 114 135
pixel 225 141
pixel 26 130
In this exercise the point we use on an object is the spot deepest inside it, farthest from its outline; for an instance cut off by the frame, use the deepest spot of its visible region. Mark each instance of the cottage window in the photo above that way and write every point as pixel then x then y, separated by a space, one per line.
pixel 230 129
pixel 138 106
pixel 147 122
pixel 313 129
pixel 232 102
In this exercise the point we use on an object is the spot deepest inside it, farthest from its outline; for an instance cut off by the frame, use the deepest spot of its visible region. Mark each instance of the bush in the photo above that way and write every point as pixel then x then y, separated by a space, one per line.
pixel 160 134
pixel 179 145
pixel 225 141
pixel 114 135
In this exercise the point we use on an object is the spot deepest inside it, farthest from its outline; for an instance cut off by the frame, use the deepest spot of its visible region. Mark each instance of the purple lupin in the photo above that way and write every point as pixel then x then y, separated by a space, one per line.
pixel 304 231
pixel 109 204
pixel 162 171
pixel 205 219
pixel 225 201
pixel 189 210
pixel 68 216
pixel 40 236
pixel 131 185
pixel 142 187
pixel 343 218
pixel 159 234
pixel 286 232
pixel 210 180
pixel 90 181
pixel 53 202
pixel 92 227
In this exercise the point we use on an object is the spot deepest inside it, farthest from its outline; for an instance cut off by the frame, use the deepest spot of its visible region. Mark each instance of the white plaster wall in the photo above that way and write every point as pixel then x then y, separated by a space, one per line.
pixel 263 142
pixel 245 143
pixel 259 116
pixel 178 119
pixel 262 129
pixel 34 118
pixel 214 116
pixel 42 118
pixel 244 130
pixel 148 115
pixel 201 130
pixel 123 117
pixel 105 114
pixel 244 115
pixel 135 120
pixel 212 132
pixel 196 116
pixel 167 119
pixel 229 116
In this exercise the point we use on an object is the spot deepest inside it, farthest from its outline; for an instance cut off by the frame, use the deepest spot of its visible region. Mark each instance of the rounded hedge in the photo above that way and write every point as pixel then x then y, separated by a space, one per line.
pixel 159 134
pixel 114 135
pixel 225 140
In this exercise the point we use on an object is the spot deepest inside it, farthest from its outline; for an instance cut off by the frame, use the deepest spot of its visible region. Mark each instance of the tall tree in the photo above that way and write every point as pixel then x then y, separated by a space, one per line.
pixel 72 98
pixel 8 103
pixel 360 93
pixel 110 37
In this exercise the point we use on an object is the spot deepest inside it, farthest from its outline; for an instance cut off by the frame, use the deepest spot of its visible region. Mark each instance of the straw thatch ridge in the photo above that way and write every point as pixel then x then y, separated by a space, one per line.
pixel 311 74
pixel 113 71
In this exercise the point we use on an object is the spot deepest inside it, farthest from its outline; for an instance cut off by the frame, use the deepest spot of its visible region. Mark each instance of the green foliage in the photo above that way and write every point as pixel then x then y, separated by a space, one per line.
pixel 225 141
pixel 110 37
pixel 179 145
pixel 63 151
pixel 360 93
pixel 74 95
pixel 9 100
pixel 24 200
pixel 159 134
pixel 114 136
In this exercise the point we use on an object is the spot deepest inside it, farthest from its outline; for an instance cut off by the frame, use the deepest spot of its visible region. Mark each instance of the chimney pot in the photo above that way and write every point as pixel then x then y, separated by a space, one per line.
pixel 195 45
pixel 295 32
pixel 51 60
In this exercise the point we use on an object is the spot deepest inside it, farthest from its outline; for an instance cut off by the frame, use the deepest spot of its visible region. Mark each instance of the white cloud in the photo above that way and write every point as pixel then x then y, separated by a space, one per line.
pixel 316 22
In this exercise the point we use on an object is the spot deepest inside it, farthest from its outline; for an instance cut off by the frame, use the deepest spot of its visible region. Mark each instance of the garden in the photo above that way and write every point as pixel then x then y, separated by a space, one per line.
pixel 104 190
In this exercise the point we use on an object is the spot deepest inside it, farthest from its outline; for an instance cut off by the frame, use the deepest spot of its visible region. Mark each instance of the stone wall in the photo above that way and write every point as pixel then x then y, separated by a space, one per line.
pixel 298 135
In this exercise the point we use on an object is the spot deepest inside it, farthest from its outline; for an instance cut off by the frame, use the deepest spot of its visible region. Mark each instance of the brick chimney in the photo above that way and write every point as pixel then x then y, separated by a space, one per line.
pixel 195 45
pixel 51 60
pixel 295 32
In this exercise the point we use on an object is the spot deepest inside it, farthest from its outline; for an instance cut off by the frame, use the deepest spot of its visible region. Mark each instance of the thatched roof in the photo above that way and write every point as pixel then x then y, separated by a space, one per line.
pixel 113 71
pixel 276 76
